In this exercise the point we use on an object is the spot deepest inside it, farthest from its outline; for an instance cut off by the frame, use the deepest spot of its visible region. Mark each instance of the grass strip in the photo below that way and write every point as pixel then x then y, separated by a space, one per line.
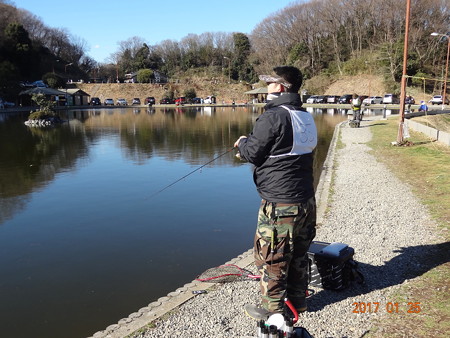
pixel 423 165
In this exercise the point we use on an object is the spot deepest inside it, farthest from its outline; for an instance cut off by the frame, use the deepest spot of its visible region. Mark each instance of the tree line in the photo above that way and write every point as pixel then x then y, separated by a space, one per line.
pixel 30 50
pixel 322 37
pixel 355 36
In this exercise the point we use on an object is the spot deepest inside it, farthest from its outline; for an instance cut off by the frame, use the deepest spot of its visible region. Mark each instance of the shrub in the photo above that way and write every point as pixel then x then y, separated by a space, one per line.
pixel 190 93
pixel 53 80
pixel 46 107
pixel 144 75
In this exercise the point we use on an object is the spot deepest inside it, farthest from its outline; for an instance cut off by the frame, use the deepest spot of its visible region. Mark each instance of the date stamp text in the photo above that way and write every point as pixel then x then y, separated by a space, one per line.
pixel 389 307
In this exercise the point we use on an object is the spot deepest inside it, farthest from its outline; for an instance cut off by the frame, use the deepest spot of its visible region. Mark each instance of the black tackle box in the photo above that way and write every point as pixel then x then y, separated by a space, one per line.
pixel 330 265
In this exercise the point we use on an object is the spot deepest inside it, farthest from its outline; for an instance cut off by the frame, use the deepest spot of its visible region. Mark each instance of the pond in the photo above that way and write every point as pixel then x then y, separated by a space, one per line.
pixel 86 238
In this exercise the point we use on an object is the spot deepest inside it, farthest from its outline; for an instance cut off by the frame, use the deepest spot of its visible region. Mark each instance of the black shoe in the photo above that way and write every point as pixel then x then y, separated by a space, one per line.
pixel 299 304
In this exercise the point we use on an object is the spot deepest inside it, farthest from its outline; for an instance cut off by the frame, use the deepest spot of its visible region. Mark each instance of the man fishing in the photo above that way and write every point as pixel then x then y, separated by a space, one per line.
pixel 281 149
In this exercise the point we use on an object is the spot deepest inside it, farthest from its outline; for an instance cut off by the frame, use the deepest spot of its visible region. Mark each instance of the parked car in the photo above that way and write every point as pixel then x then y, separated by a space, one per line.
pixel 437 99
pixel 109 102
pixel 362 98
pixel 180 100
pixel 332 99
pixel 312 99
pixel 321 99
pixel 196 100
pixel 6 104
pixel 39 83
pixel 122 102
pixel 390 99
pixel 210 100
pixel 346 98
pixel 149 100
pixel 372 100
pixel 166 100
pixel 95 101
pixel 136 100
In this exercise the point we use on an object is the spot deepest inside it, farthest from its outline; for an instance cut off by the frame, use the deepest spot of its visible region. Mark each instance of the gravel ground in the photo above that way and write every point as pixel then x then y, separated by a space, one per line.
pixel 370 210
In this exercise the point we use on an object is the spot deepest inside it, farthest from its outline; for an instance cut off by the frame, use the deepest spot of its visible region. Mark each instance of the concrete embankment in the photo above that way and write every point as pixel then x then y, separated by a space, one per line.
pixel 370 210
pixel 431 132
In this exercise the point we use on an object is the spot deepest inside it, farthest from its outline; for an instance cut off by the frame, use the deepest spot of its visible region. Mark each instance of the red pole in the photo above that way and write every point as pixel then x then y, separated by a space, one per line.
pixel 403 83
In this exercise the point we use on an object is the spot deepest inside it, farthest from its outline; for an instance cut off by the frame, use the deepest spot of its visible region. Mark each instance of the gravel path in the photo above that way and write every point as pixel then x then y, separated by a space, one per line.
pixel 370 210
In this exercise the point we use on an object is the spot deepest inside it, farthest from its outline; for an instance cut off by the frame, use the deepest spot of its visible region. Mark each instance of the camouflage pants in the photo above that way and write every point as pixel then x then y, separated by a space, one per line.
pixel 283 235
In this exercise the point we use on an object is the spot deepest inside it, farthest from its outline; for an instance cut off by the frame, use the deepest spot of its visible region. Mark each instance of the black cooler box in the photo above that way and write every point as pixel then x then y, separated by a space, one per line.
pixel 330 265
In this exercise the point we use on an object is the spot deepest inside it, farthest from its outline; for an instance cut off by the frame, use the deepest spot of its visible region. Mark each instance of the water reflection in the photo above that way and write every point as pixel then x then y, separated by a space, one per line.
pixel 195 134
pixel 31 157
pixel 346 111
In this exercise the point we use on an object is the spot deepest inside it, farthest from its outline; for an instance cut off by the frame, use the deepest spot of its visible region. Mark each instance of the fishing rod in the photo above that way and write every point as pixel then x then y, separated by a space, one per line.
pixel 193 171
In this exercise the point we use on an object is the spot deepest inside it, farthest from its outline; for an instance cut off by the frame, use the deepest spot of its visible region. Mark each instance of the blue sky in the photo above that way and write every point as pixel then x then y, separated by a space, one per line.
pixel 104 23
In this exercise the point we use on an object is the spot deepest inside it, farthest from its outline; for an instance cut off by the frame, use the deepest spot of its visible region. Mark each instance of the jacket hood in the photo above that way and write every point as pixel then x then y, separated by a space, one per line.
pixel 290 99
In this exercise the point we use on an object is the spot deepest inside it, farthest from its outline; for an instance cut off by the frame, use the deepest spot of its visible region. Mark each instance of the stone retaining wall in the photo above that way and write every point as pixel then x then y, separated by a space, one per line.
pixel 430 132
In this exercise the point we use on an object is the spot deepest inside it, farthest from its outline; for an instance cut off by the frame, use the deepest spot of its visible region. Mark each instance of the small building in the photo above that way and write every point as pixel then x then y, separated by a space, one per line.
pixel 50 93
pixel 77 97
pixel 258 94
pixel 160 77
pixel 131 78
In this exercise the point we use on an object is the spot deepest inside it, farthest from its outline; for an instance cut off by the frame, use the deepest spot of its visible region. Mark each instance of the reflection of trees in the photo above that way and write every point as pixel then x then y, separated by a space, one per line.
pixel 195 136
pixel 177 133
pixel 31 157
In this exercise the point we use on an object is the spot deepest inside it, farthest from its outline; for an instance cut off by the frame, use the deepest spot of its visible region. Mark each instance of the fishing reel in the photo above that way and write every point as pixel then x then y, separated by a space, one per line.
pixel 282 325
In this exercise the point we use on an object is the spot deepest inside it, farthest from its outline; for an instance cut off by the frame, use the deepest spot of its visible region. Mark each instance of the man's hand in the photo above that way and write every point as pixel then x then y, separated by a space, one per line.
pixel 237 141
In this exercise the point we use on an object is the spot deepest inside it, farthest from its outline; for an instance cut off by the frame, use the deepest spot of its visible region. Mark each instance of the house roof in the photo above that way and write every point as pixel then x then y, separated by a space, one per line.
pixel 42 90
pixel 261 90
pixel 78 91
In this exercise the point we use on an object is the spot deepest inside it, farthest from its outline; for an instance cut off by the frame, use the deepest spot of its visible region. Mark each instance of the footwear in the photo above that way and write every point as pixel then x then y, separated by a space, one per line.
pixel 299 304
pixel 257 313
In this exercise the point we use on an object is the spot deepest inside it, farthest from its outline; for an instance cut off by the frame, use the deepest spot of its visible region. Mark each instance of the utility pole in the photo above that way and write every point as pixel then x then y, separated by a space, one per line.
pixel 403 83
pixel 66 80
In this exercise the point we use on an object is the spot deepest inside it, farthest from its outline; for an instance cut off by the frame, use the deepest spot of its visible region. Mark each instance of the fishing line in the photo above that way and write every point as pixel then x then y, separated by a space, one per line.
pixel 193 171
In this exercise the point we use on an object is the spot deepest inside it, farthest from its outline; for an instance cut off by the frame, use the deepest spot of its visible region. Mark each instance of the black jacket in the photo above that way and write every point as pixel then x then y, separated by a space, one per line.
pixel 284 179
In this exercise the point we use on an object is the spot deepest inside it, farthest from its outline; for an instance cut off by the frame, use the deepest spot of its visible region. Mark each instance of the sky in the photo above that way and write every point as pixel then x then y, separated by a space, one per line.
pixel 104 23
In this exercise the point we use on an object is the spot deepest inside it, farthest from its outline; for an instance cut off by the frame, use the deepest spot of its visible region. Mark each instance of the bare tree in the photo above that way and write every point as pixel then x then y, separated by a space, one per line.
pixel 8 14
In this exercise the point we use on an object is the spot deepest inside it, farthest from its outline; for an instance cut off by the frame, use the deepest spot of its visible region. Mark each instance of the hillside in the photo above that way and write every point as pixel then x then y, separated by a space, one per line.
pixel 371 85
pixel 362 85
pixel 203 87
pixel 225 92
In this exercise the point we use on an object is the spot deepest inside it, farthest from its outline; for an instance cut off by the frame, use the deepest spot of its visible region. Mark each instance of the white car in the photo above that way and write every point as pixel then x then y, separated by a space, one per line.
pixel 210 100
pixel 312 99
pixel 372 100
pixel 121 102
pixel 109 102
pixel 332 99
pixel 437 99
pixel 391 99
